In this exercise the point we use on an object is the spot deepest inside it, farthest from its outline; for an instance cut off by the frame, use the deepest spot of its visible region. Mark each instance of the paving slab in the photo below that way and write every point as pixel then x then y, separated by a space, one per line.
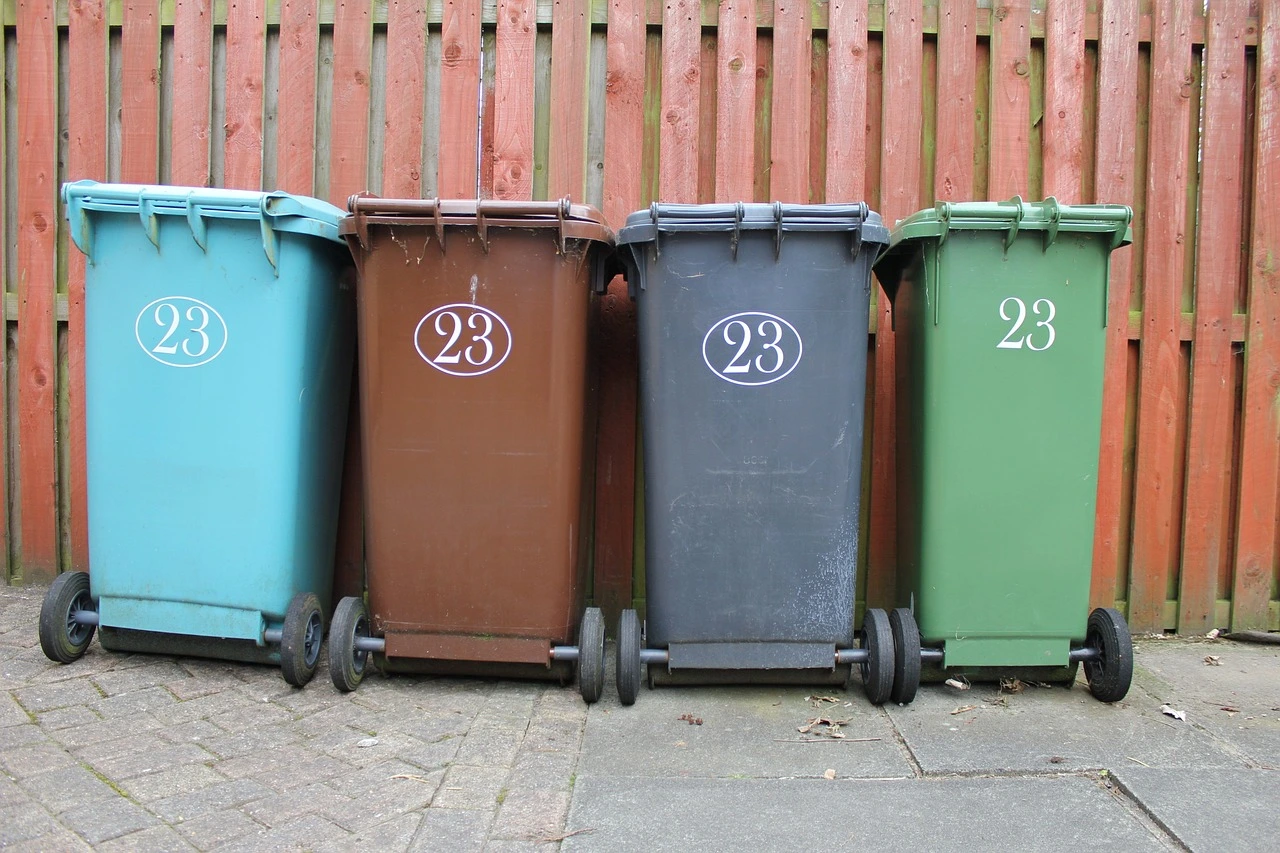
pixel 985 730
pixel 746 731
pixel 1227 811
pixel 990 814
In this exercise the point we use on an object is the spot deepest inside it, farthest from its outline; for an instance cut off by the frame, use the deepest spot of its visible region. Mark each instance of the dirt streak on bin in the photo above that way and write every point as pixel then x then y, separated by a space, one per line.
pixel 473 353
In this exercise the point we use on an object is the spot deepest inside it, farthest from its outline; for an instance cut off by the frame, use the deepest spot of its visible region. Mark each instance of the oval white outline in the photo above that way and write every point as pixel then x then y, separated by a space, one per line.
pixel 137 333
pixel 724 320
pixel 472 306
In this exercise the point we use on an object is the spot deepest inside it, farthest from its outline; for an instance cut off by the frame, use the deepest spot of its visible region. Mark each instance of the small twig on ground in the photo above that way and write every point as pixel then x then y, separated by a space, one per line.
pixel 825 740
pixel 415 778
pixel 1137 761
pixel 554 839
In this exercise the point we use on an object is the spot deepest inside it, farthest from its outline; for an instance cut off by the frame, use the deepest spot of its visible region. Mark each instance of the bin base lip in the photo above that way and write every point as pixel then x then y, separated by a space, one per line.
pixel 183 618
pixel 560 671
pixel 1065 674
pixel 750 654
pixel 115 639
pixel 660 675
pixel 480 648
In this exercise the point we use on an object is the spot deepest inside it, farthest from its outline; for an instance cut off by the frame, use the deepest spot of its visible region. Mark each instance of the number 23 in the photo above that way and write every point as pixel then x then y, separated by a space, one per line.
pixel 1039 308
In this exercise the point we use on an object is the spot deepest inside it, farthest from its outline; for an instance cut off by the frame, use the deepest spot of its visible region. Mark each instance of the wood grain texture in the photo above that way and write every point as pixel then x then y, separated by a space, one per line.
pixel 846 101
pixel 1154 528
pixel 295 103
pixel 459 96
pixel 7 472
pixel 792 86
pixel 349 125
pixel 707 121
pixel 1255 561
pixel 1212 418
pixel 86 158
pixel 570 61
pixel 1063 128
pixel 406 105
pixel 513 100
pixel 681 74
pixel 1010 107
pixel 1115 176
pixel 37 190
pixel 899 197
pixel 953 147
pixel 140 92
pixel 735 100
pixel 246 66
pixel 192 79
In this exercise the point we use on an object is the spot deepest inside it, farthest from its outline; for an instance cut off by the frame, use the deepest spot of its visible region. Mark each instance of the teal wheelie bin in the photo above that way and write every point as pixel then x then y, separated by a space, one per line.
pixel 999 313
pixel 219 333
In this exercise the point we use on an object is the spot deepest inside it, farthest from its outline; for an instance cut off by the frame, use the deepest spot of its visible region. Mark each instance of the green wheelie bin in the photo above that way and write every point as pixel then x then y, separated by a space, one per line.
pixel 999 315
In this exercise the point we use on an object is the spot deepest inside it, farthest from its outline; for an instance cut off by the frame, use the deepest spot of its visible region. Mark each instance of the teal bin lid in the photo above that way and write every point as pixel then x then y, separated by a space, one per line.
pixel 1012 217
pixel 276 211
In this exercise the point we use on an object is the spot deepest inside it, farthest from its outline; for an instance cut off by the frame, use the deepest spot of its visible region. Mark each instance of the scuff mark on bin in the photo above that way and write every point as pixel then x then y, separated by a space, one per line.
pixel 475 283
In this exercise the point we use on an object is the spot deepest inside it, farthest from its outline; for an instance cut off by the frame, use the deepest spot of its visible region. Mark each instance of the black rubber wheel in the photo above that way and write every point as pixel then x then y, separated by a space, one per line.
pixel 347 664
pixel 591 655
pixel 876 637
pixel 629 644
pixel 1111 674
pixel 62 638
pixel 906 663
pixel 302 637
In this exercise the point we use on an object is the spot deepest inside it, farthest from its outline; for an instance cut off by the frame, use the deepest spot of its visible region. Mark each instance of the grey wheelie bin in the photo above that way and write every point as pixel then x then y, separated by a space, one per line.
pixel 753 354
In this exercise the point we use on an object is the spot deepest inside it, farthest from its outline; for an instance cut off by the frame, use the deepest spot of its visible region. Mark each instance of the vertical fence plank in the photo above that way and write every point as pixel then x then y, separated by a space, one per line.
pixel 140 92
pixel 953 166
pixel 459 95
pixel 192 59
pixel 86 158
pixel 349 124
pixel 735 100
pixel 406 82
pixel 899 197
pixel 1114 181
pixel 570 57
pixel 296 100
pixel 246 65
pixel 513 100
pixel 846 100
pixel 6 476
pixel 681 73
pixel 1160 358
pixel 792 86
pixel 1063 126
pixel 617 362
pixel 1212 419
pixel 1256 537
pixel 37 188
pixel 1010 99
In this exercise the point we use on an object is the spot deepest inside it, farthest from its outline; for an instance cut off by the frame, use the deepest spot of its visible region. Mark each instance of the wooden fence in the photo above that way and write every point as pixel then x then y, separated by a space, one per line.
pixel 1166 105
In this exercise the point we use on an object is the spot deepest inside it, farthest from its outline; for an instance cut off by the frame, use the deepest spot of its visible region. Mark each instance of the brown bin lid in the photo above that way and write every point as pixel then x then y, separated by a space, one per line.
pixel 574 221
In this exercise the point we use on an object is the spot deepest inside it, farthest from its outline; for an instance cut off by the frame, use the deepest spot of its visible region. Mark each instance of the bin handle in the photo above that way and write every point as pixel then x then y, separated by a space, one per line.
pixel 1054 212
pixel 148 217
pixel 195 221
pixel 500 208
pixel 1012 233
pixel 739 211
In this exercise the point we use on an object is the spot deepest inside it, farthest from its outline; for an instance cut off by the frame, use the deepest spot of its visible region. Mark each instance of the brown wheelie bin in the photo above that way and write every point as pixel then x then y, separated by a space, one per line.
pixel 473 353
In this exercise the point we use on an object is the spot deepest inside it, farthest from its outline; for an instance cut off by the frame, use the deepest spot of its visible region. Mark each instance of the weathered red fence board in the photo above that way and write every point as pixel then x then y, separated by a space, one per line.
pixel 1010 99
pixel 681 74
pixel 246 64
pixel 5 406
pixel 86 158
pixel 37 97
pixel 846 101
pixel 192 57
pixel 570 51
pixel 1063 128
pixel 140 92
pixel 459 95
pixel 735 100
pixel 953 159
pixel 1155 533
pixel 1255 562
pixel 1115 178
pixel 792 86
pixel 405 102
pixel 513 101
pixel 296 121
pixel 1209 444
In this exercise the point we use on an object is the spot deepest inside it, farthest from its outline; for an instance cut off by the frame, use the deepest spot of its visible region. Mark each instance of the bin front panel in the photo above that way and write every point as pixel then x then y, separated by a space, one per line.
pixel 216 409
pixel 752 385
pixel 1000 364
pixel 473 381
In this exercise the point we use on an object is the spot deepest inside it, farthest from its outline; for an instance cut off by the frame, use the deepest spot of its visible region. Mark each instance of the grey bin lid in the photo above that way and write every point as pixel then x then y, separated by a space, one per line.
pixel 644 225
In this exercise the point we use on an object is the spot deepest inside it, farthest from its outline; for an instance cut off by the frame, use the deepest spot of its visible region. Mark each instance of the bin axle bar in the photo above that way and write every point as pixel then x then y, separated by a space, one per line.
pixel 85 617
pixel 564 652
pixel 931 655
pixel 1083 654
pixel 272 635
pixel 370 644
pixel 852 655
pixel 654 656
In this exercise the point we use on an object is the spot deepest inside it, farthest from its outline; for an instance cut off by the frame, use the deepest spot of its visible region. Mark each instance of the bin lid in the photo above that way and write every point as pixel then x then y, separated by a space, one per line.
pixel 1048 217
pixel 645 225
pixel 277 211
pixel 573 221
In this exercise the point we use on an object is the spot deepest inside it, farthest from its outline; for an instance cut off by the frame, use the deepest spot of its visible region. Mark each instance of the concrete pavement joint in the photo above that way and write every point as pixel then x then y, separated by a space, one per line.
pixel 1148 818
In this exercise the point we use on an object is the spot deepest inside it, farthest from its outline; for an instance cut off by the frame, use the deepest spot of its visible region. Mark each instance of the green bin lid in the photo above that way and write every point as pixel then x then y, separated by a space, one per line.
pixel 276 211
pixel 1011 217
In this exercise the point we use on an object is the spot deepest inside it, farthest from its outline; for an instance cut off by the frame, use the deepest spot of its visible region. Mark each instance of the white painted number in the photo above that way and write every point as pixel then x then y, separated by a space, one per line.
pixel 187 338
pixel 1039 308
pixel 758 348
pixel 472 347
